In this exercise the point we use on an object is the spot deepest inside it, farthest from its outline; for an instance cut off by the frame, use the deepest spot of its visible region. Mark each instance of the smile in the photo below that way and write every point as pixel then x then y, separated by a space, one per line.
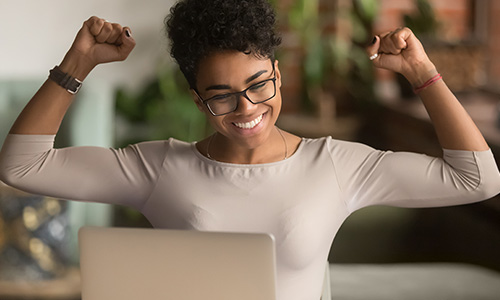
pixel 249 125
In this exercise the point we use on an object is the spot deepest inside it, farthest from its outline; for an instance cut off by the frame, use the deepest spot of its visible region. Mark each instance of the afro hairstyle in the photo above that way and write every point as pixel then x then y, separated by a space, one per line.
pixel 197 28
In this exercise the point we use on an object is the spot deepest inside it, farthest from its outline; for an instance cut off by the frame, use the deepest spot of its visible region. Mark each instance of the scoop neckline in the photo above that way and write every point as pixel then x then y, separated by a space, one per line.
pixel 220 163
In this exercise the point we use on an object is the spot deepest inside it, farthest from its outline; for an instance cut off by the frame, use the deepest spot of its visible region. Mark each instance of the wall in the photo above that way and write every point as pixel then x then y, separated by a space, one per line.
pixel 453 16
pixel 36 34
pixel 459 20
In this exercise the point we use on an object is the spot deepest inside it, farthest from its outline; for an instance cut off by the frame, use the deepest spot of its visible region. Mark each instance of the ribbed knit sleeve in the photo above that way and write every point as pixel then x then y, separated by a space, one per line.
pixel 117 176
pixel 371 177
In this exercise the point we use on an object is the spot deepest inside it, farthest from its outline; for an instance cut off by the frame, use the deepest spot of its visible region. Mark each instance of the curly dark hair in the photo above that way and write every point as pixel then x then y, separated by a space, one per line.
pixel 197 28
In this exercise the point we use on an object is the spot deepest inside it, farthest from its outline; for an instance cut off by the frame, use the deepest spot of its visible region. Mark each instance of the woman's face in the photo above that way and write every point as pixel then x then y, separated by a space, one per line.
pixel 221 73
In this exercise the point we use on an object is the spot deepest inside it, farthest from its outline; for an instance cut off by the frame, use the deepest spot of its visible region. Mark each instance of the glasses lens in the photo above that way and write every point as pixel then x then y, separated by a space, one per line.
pixel 223 105
pixel 258 93
pixel 262 91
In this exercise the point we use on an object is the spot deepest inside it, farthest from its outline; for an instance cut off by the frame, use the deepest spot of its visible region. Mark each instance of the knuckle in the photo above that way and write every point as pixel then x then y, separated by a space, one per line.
pixel 99 21
pixel 117 26
pixel 90 21
pixel 107 27
pixel 117 30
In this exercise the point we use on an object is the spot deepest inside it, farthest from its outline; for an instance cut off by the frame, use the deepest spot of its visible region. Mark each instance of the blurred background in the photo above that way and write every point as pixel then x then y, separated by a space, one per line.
pixel 329 88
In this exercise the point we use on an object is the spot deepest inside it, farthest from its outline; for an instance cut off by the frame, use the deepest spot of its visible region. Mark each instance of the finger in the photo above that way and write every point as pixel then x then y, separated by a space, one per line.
pixel 387 45
pixel 374 49
pixel 395 41
pixel 400 37
pixel 116 32
pixel 105 33
pixel 94 25
pixel 127 43
pixel 383 45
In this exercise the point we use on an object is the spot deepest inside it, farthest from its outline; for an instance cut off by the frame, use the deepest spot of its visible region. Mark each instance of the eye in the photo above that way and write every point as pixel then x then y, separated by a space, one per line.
pixel 257 86
pixel 220 97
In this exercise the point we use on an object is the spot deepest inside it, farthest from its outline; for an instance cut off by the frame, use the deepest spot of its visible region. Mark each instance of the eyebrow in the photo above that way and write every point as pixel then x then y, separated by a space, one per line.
pixel 227 87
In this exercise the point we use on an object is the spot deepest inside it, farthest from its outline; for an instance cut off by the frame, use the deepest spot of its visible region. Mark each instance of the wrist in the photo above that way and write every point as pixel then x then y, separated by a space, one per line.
pixel 69 83
pixel 76 65
pixel 421 73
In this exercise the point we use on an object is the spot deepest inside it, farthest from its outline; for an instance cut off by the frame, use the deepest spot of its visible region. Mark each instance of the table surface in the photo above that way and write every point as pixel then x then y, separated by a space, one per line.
pixel 67 287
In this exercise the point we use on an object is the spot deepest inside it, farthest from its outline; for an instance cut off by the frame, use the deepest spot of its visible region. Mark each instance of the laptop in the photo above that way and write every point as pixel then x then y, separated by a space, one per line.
pixel 137 263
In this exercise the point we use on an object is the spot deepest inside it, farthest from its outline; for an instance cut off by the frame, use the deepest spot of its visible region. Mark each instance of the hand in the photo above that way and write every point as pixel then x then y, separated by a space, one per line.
pixel 97 42
pixel 400 51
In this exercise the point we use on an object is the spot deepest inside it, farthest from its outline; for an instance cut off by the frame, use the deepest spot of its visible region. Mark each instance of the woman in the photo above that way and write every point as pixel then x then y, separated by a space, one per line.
pixel 248 176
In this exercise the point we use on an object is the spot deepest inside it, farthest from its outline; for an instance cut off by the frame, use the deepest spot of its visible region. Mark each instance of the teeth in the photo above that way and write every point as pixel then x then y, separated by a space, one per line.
pixel 249 125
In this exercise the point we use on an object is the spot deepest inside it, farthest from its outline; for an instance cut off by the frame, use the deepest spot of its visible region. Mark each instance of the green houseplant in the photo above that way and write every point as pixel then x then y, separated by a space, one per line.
pixel 163 108
pixel 334 62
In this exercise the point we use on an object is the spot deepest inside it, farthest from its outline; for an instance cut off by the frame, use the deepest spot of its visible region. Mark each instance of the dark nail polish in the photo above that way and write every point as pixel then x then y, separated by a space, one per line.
pixel 127 33
pixel 374 40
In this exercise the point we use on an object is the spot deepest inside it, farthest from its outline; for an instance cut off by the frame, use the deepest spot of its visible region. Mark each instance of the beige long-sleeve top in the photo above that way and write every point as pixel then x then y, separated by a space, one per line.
pixel 302 200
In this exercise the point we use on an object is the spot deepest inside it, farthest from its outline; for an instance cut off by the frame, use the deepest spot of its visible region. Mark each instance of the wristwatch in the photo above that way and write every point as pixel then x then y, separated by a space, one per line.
pixel 71 84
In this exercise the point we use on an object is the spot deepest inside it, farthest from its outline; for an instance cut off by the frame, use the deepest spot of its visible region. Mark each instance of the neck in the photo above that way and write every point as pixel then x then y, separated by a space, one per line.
pixel 221 149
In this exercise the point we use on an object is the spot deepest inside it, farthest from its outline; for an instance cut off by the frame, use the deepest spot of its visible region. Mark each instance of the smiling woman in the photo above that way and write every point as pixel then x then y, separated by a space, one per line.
pixel 249 176
pixel 244 121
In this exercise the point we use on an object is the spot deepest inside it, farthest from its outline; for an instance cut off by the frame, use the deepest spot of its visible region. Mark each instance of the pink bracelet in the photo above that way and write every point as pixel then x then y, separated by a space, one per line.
pixel 428 83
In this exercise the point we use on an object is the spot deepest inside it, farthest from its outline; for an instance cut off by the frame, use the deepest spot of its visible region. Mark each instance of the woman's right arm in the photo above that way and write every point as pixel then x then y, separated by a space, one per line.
pixel 28 160
pixel 97 42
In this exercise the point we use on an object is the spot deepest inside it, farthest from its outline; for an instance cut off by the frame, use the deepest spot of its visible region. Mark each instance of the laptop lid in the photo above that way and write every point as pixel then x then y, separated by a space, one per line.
pixel 133 263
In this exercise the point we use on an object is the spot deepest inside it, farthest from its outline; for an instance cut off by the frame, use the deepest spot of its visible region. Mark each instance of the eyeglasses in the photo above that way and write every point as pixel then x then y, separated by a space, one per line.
pixel 227 103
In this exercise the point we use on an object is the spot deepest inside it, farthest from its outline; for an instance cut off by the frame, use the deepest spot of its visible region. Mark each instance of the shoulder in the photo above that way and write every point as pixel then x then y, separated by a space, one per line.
pixel 334 146
pixel 341 153
pixel 156 151
pixel 161 145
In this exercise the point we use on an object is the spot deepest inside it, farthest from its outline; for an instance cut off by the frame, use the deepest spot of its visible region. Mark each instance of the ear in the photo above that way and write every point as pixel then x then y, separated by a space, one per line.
pixel 278 74
pixel 197 100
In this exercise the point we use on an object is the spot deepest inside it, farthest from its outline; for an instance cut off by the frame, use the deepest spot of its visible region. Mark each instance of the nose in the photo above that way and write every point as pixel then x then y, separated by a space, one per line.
pixel 245 107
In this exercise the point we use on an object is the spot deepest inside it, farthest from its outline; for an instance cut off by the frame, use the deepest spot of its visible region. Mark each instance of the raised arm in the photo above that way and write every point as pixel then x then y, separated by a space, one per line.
pixel 28 160
pixel 400 51
pixel 97 42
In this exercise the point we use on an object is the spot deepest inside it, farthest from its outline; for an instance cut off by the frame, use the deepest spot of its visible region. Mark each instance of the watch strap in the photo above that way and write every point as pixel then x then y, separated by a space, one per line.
pixel 69 83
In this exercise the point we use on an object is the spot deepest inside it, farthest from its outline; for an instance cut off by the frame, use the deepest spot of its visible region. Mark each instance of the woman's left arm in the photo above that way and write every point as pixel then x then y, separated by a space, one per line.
pixel 400 51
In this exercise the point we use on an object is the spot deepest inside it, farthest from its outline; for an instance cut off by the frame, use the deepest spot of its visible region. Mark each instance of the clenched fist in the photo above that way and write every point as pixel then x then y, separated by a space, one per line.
pixel 97 42
pixel 400 51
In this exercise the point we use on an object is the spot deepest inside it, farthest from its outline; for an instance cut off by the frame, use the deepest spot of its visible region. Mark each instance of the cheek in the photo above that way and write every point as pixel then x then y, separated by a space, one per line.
pixel 215 122
pixel 277 102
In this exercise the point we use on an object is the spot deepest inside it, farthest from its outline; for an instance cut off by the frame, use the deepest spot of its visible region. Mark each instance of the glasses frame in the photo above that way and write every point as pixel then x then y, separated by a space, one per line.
pixel 238 95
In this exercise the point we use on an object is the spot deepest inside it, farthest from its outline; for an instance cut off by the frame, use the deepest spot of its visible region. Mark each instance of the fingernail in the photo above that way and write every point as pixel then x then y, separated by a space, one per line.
pixel 374 40
pixel 127 33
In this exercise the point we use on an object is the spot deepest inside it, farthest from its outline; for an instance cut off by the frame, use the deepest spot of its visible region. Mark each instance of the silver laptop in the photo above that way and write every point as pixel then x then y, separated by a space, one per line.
pixel 132 264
